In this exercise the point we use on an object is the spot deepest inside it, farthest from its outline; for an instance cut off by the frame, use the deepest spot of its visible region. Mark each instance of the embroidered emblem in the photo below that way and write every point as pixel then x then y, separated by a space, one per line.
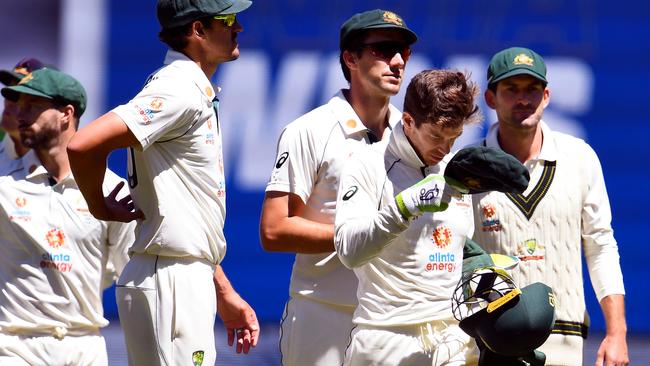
pixel 390 17
pixel 197 358
pixel 530 250
pixel 523 59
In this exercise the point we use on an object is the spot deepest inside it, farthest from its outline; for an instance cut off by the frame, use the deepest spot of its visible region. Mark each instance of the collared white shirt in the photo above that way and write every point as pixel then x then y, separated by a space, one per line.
pixel 312 151
pixel 600 247
pixel 407 270
pixel 56 257
pixel 176 175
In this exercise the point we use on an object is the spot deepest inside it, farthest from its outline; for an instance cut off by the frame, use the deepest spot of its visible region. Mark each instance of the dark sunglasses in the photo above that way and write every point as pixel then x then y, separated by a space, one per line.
pixel 386 50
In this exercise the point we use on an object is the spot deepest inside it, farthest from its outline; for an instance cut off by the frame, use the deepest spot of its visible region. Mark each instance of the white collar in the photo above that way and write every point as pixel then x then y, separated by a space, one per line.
pixel 548 151
pixel 193 71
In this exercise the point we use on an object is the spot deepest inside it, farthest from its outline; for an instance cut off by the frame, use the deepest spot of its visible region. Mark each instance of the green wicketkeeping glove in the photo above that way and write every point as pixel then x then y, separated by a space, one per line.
pixel 431 194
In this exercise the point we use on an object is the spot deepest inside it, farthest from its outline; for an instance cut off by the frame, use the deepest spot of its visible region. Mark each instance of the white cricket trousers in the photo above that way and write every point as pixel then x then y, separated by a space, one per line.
pixel 435 343
pixel 314 333
pixel 25 350
pixel 167 308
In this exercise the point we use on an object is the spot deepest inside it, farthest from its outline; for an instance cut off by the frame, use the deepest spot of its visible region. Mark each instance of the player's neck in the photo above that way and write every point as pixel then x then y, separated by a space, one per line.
pixel 523 145
pixel 372 110
pixel 55 157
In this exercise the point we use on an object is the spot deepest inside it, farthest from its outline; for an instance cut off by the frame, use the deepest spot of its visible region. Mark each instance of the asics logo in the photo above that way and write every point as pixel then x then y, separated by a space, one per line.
pixel 283 157
pixel 350 193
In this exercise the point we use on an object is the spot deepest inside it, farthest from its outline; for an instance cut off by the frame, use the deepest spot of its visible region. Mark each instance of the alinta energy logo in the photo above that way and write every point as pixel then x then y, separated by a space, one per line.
pixel 490 222
pixel 20 213
pixel 58 260
pixel 55 238
pixel 441 262
pixel 442 237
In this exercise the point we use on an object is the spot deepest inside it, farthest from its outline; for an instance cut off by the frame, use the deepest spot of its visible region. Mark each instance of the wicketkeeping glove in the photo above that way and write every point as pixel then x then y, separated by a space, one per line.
pixel 431 194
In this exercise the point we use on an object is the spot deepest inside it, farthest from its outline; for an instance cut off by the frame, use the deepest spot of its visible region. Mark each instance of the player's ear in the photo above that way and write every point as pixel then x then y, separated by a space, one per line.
pixel 407 121
pixel 489 98
pixel 350 59
pixel 198 29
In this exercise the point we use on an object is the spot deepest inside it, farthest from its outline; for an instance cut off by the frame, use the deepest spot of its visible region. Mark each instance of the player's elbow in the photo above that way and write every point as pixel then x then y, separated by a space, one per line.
pixel 270 238
pixel 343 249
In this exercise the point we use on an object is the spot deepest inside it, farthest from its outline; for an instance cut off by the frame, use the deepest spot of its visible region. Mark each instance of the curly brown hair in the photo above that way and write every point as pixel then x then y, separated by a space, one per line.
pixel 442 97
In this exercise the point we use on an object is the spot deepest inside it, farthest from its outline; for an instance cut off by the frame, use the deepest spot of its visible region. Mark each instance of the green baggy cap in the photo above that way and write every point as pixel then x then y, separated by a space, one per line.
pixel 175 13
pixel 50 84
pixel 516 61
pixel 483 169
pixel 374 19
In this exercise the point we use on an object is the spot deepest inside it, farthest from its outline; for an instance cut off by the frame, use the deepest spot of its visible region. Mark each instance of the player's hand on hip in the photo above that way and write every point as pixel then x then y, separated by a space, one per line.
pixel 240 321
pixel 431 194
pixel 122 210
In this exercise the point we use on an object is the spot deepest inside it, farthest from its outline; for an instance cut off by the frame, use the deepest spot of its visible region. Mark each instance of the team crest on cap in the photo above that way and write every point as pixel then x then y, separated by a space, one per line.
pixel 55 238
pixel 523 59
pixel 472 183
pixel 442 236
pixel 390 17
pixel 26 78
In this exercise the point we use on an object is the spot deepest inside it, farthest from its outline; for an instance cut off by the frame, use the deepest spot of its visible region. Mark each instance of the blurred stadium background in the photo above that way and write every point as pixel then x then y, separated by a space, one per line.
pixel 596 52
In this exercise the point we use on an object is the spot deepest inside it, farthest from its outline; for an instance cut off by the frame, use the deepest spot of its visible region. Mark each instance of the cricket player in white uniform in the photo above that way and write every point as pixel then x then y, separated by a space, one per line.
pixel 56 257
pixel 564 210
pixel 10 146
pixel 407 255
pixel 166 294
pixel 300 202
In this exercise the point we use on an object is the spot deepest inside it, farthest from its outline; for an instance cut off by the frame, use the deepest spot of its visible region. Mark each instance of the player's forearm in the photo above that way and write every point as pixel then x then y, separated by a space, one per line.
pixel 613 307
pixel 297 235
pixel 221 283
pixel 88 168
pixel 359 240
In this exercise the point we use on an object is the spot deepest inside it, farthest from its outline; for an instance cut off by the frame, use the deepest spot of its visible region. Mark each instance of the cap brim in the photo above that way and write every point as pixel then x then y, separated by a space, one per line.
pixel 11 92
pixel 516 72
pixel 9 77
pixel 237 6
pixel 411 37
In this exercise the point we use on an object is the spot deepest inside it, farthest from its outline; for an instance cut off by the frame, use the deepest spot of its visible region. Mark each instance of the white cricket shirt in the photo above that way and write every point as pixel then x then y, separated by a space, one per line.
pixel 312 150
pixel 56 257
pixel 407 270
pixel 176 175
pixel 564 210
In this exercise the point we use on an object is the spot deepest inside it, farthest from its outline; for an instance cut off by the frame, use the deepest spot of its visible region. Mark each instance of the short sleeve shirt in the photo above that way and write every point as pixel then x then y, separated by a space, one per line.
pixel 312 151
pixel 56 257
pixel 176 174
